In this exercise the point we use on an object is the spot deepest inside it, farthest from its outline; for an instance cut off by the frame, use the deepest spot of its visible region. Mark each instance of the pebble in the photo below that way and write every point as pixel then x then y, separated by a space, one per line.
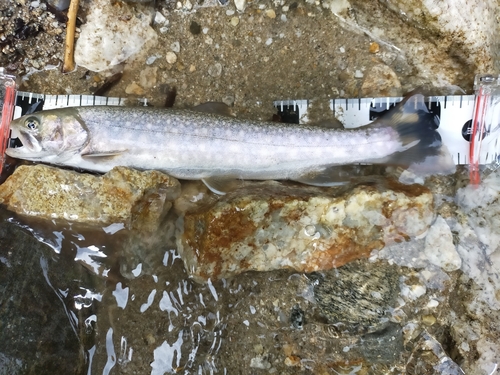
pixel 134 89
pixel 229 12
pixel 195 28
pixel 150 339
pixel 269 41
pixel 192 68
pixel 428 320
pixel 235 21
pixel 171 57
pixel 215 70
pixel 288 350
pixel 358 74
pixel 58 4
pixel 147 77
pixel 175 47
pixel 228 100
pixel 292 361
pixel 160 19
pixel 271 13
pixel 260 362
pixel 151 59
pixel 240 5
pixel 374 47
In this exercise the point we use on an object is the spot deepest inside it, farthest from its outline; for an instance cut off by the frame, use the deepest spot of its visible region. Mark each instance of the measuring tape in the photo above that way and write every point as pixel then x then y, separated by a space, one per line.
pixel 469 124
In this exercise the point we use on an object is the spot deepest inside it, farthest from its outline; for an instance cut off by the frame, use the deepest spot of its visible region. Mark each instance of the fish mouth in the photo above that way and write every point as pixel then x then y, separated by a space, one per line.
pixel 30 148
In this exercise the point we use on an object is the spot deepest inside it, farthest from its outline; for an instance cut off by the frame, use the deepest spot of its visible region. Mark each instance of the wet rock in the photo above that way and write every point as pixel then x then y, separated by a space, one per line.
pixel 358 297
pixel 439 247
pixel 112 35
pixel 478 225
pixel 123 195
pixel 273 226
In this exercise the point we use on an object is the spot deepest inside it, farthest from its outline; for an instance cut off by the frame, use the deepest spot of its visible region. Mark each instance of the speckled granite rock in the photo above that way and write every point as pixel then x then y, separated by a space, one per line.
pixel 359 296
pixel 123 195
pixel 273 226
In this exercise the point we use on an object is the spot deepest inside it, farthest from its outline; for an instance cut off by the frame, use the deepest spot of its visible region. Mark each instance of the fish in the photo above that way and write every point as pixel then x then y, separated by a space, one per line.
pixel 217 148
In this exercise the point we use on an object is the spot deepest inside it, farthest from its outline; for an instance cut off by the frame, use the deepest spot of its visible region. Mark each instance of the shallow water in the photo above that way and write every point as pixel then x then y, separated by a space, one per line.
pixel 76 299
pixel 126 305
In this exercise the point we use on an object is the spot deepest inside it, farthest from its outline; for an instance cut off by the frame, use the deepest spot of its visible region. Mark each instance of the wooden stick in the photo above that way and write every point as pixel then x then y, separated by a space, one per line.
pixel 69 48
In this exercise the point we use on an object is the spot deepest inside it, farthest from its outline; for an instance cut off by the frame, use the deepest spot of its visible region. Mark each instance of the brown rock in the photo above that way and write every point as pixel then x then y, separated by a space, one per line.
pixel 123 195
pixel 381 81
pixel 374 47
pixel 273 226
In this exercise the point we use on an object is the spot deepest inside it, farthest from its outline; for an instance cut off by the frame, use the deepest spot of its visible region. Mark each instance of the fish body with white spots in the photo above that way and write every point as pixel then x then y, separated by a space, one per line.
pixel 195 145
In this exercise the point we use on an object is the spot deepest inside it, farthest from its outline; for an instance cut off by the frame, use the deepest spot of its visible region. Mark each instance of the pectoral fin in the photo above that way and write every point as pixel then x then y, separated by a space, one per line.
pixel 104 154
pixel 222 185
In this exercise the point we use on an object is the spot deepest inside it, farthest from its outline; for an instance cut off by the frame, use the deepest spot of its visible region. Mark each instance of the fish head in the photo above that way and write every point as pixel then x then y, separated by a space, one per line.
pixel 48 134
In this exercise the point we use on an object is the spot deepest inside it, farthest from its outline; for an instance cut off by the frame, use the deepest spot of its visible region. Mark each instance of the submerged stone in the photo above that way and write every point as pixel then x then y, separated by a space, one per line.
pixel 272 226
pixel 359 297
pixel 123 195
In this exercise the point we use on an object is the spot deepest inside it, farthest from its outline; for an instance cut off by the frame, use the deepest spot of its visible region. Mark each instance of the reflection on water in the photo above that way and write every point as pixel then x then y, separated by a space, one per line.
pixel 133 309
pixel 143 311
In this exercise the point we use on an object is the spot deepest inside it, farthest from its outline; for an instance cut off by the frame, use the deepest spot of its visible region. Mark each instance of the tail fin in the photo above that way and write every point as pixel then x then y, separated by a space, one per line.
pixel 417 128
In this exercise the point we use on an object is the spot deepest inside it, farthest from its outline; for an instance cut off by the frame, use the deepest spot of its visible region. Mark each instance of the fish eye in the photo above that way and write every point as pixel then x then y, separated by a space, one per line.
pixel 31 123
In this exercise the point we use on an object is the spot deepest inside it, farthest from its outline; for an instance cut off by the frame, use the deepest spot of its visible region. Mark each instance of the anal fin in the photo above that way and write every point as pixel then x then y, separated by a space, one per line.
pixel 337 175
